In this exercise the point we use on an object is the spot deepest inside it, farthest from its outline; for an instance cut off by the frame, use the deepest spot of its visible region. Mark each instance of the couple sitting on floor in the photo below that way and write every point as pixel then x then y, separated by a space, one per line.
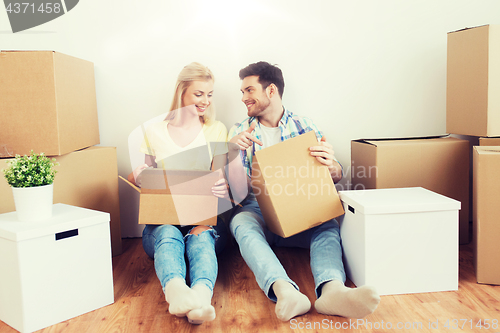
pixel 190 124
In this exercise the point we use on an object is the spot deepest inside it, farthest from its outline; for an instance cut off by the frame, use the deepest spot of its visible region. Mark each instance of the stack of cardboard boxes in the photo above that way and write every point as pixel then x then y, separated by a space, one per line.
pixel 48 104
pixel 473 108
pixel 442 164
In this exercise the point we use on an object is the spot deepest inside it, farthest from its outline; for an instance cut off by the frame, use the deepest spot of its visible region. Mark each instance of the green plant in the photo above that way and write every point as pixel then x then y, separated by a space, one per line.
pixel 30 171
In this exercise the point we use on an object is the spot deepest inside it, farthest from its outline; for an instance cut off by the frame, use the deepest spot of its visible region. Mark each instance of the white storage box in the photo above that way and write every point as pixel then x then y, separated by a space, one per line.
pixel 401 241
pixel 54 270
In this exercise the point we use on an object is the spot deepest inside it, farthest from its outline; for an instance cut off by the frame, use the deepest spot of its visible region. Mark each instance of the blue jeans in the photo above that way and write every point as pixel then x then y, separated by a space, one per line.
pixel 255 241
pixel 168 244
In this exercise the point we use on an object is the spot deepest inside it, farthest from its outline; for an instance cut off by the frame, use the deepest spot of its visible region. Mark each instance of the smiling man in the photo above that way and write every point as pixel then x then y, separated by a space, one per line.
pixel 269 123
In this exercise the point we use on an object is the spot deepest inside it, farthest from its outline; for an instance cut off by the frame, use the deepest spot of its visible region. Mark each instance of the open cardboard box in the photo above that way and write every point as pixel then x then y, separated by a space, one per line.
pixel 177 197
pixel 295 192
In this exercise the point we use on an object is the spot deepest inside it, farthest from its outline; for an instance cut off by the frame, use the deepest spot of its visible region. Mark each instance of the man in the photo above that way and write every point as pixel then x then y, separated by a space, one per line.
pixel 270 123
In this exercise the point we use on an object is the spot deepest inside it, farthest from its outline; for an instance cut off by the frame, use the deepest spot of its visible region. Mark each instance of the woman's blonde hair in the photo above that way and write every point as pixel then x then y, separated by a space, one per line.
pixel 192 72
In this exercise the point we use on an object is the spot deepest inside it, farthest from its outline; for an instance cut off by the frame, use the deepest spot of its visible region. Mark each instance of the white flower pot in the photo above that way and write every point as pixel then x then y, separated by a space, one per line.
pixel 33 203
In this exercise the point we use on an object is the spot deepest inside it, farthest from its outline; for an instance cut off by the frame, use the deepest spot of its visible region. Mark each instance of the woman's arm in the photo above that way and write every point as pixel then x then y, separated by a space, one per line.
pixel 149 161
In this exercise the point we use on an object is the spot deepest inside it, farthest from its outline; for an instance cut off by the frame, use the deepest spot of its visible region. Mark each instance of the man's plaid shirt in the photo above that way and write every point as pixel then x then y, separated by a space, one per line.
pixel 291 126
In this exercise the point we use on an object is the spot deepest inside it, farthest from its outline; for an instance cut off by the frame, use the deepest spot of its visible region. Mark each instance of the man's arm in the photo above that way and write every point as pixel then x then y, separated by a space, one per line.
pixel 239 183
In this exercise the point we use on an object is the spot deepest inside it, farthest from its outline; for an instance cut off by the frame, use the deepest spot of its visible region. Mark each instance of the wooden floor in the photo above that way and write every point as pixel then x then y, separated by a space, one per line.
pixel 242 307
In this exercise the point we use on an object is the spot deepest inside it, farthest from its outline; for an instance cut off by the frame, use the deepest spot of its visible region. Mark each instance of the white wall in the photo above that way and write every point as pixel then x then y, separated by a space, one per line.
pixel 366 68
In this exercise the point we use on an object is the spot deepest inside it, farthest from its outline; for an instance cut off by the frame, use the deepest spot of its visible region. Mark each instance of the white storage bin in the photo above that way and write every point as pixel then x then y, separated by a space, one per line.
pixel 402 240
pixel 56 269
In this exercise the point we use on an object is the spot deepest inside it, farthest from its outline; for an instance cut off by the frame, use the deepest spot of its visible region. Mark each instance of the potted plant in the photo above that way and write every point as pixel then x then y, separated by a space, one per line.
pixel 31 178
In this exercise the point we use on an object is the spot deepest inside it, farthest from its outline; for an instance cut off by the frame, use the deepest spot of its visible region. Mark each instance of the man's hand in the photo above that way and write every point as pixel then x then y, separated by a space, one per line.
pixel 245 138
pixel 325 155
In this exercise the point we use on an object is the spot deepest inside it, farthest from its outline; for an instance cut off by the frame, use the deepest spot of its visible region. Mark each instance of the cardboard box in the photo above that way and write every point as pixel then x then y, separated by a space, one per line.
pixel 295 192
pixel 489 141
pixel 47 103
pixel 56 269
pixel 86 178
pixel 486 212
pixel 473 81
pixel 177 197
pixel 439 164
pixel 400 241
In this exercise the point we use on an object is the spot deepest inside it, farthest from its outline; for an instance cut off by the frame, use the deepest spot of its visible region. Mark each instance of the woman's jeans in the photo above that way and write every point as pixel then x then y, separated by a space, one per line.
pixel 255 241
pixel 167 245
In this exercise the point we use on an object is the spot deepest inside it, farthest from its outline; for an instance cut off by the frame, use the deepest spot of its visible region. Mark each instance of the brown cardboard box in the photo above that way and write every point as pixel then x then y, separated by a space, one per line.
pixel 86 178
pixel 473 81
pixel 295 192
pixel 489 141
pixel 439 164
pixel 47 103
pixel 486 212
pixel 177 197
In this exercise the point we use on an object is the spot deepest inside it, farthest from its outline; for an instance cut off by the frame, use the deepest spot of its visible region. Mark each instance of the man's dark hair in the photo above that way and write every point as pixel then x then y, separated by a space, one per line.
pixel 267 74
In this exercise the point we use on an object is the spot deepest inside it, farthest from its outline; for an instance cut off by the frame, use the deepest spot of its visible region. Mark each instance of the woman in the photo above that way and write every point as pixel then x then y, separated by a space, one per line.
pixel 189 138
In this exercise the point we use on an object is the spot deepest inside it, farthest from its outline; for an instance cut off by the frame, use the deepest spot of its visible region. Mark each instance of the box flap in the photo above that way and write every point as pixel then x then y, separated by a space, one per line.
pixel 397 200
pixel 135 187
pixel 64 218
pixel 178 181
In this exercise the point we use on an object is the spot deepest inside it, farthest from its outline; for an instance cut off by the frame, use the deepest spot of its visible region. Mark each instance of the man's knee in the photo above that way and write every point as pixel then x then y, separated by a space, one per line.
pixel 245 223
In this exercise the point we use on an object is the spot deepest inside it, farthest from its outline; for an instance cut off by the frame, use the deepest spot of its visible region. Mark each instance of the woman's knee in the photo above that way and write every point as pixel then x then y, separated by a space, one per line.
pixel 167 231
pixel 199 229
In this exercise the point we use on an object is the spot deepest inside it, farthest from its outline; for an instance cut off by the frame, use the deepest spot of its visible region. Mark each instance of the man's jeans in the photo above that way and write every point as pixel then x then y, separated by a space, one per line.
pixel 166 244
pixel 255 241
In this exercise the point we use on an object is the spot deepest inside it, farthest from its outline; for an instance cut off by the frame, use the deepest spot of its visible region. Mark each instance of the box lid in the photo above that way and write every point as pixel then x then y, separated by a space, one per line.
pixel 64 218
pixel 397 200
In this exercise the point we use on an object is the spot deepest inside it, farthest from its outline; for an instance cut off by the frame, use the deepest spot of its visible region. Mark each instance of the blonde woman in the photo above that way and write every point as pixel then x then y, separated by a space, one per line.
pixel 190 139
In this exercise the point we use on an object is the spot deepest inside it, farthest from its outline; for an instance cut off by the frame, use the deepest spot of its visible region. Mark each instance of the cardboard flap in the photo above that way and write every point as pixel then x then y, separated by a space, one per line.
pixel 179 181
pixel 135 187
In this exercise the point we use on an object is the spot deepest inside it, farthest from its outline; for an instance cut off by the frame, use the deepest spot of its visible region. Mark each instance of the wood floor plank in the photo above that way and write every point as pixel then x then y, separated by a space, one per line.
pixel 241 306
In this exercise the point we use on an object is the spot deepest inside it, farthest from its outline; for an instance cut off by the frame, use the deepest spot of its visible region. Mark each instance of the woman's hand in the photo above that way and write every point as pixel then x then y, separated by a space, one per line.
pixel 220 189
pixel 137 172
